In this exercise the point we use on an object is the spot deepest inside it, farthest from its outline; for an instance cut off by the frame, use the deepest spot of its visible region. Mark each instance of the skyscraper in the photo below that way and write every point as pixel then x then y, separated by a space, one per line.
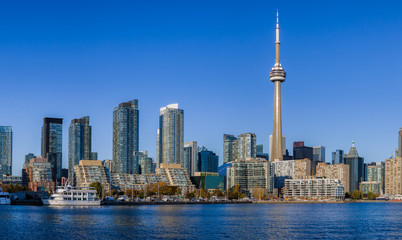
pixel 337 156
pixel 300 151
pixel 228 148
pixel 6 150
pixel 126 137
pixel 207 160
pixel 242 147
pixel 259 148
pixel 190 155
pixel 79 144
pixel 319 154
pixel 247 145
pixel 52 145
pixel 400 143
pixel 170 135
pixel 356 168
pixel 29 156
pixel 145 162
pixel 277 75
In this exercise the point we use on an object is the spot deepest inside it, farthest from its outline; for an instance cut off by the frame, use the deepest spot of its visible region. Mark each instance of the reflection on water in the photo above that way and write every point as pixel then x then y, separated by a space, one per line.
pixel 252 221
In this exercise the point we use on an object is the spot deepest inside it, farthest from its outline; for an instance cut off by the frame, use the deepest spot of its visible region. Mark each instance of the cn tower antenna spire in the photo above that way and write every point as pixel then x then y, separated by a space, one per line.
pixel 277 25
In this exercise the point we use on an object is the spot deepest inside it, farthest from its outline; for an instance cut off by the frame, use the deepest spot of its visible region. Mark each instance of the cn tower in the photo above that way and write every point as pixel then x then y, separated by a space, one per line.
pixel 277 75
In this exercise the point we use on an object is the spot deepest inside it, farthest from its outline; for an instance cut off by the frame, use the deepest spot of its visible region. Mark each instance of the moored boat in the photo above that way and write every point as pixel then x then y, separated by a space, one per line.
pixel 73 196
pixel 4 198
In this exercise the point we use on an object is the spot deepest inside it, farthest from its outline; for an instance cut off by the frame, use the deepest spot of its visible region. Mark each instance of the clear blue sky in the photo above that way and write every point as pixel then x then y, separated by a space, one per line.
pixel 74 58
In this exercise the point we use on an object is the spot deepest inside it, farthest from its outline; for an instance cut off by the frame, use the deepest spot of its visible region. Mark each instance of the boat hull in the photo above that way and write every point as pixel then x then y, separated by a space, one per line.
pixel 70 203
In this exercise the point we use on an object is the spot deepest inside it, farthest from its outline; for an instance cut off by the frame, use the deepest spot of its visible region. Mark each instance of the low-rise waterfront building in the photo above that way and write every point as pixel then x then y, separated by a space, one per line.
pixel 208 181
pixel 374 187
pixel 8 179
pixel 316 188
pixel 90 171
pixel 334 171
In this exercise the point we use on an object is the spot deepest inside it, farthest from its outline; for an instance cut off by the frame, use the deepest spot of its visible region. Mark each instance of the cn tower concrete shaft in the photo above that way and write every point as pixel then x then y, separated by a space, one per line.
pixel 277 75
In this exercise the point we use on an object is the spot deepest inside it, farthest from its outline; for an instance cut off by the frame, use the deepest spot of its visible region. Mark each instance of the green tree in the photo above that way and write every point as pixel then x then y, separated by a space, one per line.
pixel 190 195
pixel 347 195
pixel 371 196
pixel 218 193
pixel 98 187
pixel 234 192
pixel 10 188
pixel 357 194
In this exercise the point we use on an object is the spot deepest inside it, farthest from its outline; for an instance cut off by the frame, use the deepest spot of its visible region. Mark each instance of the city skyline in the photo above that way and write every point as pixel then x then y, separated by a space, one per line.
pixel 334 126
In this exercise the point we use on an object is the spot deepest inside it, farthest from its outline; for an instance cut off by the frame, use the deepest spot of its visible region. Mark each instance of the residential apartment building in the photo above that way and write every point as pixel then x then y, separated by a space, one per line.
pixel 170 139
pixel 126 137
pixel 145 162
pixel 240 148
pixel 175 176
pixel 37 174
pixel 6 150
pixel 124 181
pixel 393 176
pixel 190 157
pixel 334 171
pixel 79 145
pixel 91 171
pixel 314 188
pixel 52 145
pixel 250 173
pixel 302 168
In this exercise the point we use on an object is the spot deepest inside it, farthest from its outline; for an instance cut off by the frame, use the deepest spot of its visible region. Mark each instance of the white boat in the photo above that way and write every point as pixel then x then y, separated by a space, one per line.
pixel 73 196
pixel 4 198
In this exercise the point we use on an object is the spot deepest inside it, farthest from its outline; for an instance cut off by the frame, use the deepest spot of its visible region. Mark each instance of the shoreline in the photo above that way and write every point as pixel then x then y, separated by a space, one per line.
pixel 110 203
pixel 323 202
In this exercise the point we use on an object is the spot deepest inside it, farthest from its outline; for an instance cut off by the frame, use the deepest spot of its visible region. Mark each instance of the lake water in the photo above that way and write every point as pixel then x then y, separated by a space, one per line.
pixel 248 221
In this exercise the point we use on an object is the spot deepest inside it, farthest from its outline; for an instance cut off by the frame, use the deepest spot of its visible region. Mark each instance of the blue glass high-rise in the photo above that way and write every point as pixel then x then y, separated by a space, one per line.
pixel 79 145
pixel 6 150
pixel 126 138
pixel 52 145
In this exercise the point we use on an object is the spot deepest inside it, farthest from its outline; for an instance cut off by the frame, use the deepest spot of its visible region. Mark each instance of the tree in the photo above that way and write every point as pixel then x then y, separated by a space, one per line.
pixel 190 195
pixel 218 193
pixel 234 192
pixel 347 195
pixel 257 192
pixel 15 188
pixel 357 194
pixel 98 187
pixel 371 196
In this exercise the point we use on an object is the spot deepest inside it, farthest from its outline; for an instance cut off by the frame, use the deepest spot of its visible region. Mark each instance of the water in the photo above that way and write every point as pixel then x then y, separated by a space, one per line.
pixel 251 221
